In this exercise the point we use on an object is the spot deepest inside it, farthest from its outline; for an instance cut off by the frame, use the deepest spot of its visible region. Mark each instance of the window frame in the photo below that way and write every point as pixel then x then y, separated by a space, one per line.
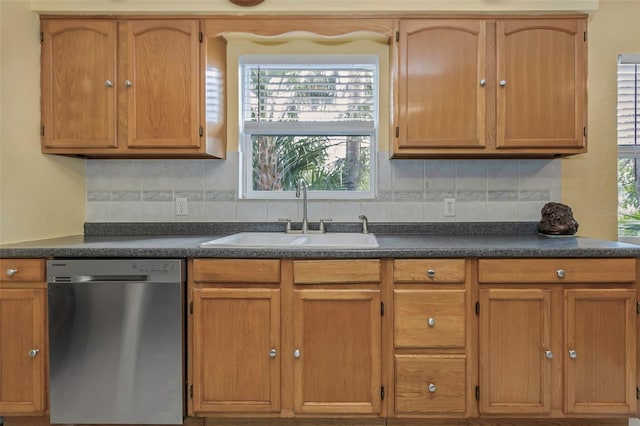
pixel 305 128
pixel 628 151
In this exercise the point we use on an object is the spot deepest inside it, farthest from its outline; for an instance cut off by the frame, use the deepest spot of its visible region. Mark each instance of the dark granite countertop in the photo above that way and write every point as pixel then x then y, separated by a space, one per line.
pixel 445 240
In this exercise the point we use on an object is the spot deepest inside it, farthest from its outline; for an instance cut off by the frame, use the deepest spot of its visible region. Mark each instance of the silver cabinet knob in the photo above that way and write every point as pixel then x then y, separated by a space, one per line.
pixel 573 354
pixel 273 353
pixel 431 322
pixel 128 83
pixel 432 388
pixel 11 272
pixel 431 273
pixel 548 354
pixel 560 273
pixel 483 82
pixel 503 83
pixel 296 353
pixel 108 83
pixel 33 352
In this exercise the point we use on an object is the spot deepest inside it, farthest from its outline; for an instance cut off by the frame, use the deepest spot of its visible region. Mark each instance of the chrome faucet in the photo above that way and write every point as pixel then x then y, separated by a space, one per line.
pixel 365 224
pixel 301 185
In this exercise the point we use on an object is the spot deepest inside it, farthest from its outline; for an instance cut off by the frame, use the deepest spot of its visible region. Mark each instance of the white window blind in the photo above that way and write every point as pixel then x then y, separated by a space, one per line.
pixel 628 101
pixel 309 92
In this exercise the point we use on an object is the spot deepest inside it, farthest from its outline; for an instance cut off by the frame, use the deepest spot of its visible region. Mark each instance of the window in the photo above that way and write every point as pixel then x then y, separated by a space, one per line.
pixel 628 145
pixel 310 117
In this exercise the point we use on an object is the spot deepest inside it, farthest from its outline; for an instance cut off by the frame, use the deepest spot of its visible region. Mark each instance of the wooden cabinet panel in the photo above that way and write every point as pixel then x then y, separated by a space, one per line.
pixel 600 351
pixel 23 350
pixel 515 333
pixel 159 67
pixel 337 367
pixel 591 270
pixel 236 270
pixel 336 271
pixel 429 271
pixel 17 270
pixel 429 319
pixel 427 384
pixel 542 63
pixel 441 100
pixel 236 347
pixel 79 84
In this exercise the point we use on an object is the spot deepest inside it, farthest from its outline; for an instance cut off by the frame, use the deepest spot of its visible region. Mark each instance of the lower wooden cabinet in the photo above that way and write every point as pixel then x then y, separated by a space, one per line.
pixel 430 338
pixel 23 342
pixel 547 339
pixel 558 349
pixel 265 341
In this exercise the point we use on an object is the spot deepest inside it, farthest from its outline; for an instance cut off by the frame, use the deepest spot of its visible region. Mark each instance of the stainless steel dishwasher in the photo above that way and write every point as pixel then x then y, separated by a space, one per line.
pixel 116 337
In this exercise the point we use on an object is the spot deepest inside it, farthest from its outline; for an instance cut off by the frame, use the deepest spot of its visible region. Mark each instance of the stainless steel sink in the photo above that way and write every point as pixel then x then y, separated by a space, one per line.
pixel 276 239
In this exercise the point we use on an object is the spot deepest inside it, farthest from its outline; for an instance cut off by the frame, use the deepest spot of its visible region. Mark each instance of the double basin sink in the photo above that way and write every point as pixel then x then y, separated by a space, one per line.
pixel 284 240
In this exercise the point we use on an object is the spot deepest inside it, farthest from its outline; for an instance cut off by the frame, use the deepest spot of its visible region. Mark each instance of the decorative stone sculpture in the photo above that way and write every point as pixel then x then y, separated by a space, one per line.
pixel 557 219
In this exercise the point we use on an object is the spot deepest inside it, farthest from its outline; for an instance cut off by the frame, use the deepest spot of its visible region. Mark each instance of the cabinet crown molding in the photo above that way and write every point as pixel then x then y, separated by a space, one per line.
pixel 327 6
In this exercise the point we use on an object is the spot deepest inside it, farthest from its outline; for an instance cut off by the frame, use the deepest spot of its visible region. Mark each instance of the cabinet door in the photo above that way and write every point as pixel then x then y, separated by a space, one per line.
pixel 22 350
pixel 337 352
pixel 236 359
pixel 515 333
pixel 601 351
pixel 78 84
pixel 441 84
pixel 159 69
pixel 541 93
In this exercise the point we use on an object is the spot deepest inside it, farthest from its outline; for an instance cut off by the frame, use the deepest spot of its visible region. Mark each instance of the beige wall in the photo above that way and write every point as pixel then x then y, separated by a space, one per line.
pixel 43 196
pixel 589 182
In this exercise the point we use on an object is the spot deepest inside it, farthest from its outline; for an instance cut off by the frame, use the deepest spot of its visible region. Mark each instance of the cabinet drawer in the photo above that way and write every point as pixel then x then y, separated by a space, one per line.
pixel 236 270
pixel 430 384
pixel 25 270
pixel 429 271
pixel 596 270
pixel 336 271
pixel 429 318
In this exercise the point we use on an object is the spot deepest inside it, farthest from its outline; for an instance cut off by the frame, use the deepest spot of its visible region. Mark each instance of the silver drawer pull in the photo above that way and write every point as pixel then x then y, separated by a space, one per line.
pixel 431 273
pixel 560 273
pixel 548 354
pixel 432 388
pixel 11 272
pixel 33 352
pixel 431 322
pixel 273 353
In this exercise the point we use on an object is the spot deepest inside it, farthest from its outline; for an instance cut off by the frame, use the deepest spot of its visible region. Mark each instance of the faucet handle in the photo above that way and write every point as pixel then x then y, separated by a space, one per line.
pixel 322 221
pixel 286 219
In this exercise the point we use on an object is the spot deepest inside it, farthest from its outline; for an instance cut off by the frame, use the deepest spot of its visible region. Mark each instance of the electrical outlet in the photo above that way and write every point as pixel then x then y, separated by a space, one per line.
pixel 181 207
pixel 449 206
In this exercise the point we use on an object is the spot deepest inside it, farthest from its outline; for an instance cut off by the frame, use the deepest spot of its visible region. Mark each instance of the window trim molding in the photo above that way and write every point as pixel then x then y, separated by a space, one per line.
pixel 333 128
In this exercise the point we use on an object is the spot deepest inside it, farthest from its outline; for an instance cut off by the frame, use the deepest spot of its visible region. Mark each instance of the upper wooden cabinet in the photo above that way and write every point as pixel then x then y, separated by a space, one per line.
pixel 123 88
pixel 490 87
pixel 23 342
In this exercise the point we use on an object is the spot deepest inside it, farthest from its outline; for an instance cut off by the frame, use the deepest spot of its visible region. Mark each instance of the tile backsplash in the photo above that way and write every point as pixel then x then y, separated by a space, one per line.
pixel 408 191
